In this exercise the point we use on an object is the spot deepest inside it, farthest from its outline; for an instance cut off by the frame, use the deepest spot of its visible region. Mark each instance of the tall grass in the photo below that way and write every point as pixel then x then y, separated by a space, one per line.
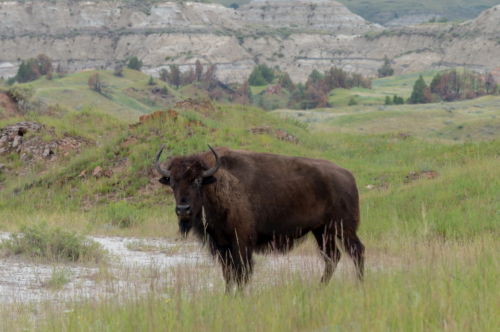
pixel 434 286
pixel 431 243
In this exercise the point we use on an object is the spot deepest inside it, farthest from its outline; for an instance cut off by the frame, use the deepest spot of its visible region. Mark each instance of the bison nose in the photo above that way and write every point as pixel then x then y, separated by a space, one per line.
pixel 183 210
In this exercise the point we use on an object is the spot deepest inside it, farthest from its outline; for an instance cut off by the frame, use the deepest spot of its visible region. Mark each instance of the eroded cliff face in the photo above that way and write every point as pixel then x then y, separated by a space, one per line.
pixel 315 15
pixel 63 17
pixel 99 35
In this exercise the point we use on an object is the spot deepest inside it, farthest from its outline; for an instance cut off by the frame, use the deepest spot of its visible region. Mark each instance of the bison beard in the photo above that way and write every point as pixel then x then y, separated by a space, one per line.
pixel 257 202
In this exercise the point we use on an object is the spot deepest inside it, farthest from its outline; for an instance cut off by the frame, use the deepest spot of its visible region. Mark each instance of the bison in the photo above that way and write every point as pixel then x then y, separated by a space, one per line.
pixel 242 202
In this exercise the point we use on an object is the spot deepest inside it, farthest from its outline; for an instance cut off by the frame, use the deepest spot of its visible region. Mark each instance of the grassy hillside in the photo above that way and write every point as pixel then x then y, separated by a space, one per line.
pixel 123 101
pixel 381 11
pixel 429 203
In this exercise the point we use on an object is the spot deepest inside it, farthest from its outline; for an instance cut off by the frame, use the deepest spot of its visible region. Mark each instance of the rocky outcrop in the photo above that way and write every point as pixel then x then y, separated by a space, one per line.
pixel 67 17
pixel 313 15
pixel 25 138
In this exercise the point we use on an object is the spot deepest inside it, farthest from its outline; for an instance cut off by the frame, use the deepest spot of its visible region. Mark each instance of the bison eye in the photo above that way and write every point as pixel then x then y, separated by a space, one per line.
pixel 197 183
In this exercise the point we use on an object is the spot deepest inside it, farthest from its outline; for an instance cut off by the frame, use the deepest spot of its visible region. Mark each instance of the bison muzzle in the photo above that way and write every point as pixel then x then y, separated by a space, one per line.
pixel 242 202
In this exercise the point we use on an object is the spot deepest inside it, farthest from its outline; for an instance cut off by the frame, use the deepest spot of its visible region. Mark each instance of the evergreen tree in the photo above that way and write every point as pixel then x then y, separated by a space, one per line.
pixel 151 80
pixel 198 70
pixel 398 100
pixel 315 76
pixel 386 69
pixel 421 93
pixel 175 76
pixel 388 100
pixel 134 63
pixel 256 78
pixel 267 73
pixel 286 82
pixel 23 73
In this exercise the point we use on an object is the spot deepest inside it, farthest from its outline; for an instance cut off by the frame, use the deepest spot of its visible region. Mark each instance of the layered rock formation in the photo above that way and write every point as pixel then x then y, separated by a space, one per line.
pixel 314 15
pixel 63 17
pixel 98 35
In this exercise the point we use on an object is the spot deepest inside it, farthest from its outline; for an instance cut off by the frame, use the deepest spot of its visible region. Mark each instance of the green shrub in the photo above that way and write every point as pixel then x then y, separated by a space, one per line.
pixel 121 214
pixel 21 92
pixel 134 63
pixel 352 102
pixel 55 244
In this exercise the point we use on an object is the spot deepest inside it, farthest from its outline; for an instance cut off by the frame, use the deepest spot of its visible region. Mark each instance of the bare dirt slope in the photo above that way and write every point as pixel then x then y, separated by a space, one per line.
pixel 8 107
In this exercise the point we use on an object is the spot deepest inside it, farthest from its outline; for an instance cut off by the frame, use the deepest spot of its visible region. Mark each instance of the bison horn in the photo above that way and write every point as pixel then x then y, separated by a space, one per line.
pixel 160 170
pixel 214 169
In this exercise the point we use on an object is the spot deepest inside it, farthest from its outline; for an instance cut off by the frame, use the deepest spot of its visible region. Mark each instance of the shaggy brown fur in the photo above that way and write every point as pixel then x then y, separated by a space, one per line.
pixel 258 202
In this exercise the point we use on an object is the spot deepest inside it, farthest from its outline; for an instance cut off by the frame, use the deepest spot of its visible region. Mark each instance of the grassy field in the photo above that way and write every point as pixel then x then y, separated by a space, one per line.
pixel 122 102
pixel 430 219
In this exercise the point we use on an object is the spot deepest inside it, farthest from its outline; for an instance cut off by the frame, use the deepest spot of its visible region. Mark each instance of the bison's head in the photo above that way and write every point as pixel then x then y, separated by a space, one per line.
pixel 186 176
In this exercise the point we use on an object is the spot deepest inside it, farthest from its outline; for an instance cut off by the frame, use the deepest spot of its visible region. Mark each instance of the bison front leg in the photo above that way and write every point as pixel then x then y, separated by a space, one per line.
pixel 242 263
pixel 226 260
pixel 236 266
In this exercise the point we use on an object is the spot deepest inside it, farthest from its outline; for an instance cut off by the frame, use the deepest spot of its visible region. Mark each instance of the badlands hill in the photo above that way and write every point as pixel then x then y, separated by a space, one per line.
pixel 297 36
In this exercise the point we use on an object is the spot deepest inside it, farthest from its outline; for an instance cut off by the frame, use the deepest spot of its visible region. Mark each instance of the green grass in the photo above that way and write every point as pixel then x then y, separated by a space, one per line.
pixel 381 11
pixel 431 243
pixel 72 92
pixel 41 241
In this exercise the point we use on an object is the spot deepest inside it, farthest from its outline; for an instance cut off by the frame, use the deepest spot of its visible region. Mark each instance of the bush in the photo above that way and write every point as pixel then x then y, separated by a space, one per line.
pixel 261 75
pixel 352 102
pixel 134 63
pixel 43 241
pixel 21 92
pixel 151 80
pixel 121 214
pixel 35 105
pixel 386 69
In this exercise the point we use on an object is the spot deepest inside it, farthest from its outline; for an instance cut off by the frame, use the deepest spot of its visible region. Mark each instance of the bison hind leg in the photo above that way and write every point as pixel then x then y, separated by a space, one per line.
pixel 355 249
pixel 329 250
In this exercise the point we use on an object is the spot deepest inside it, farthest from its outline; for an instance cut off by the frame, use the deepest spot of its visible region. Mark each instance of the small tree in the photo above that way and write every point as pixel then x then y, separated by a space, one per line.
pixel 261 75
pixel 256 78
pixel 315 76
pixel 398 100
pixel 243 94
pixel 209 77
pixel 60 71
pixel 164 90
pixel 94 82
pixel 151 80
pixel 286 82
pixel 164 75
pixel 198 70
pixel 421 94
pixel 118 70
pixel 134 63
pixel 175 76
pixel 386 69
pixel 44 63
pixel 388 100
pixel 352 102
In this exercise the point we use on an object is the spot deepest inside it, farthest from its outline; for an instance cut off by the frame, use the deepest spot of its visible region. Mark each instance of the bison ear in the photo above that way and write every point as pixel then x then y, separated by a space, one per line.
pixel 164 180
pixel 208 180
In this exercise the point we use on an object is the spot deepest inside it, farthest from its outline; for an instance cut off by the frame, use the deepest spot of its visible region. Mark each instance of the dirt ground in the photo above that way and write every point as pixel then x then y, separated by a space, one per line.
pixel 138 265
pixel 8 107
